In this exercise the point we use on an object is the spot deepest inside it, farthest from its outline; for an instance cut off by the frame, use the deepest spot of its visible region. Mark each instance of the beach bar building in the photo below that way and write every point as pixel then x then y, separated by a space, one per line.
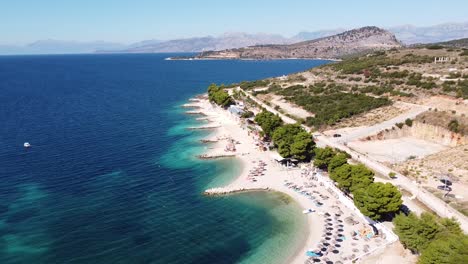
pixel 236 110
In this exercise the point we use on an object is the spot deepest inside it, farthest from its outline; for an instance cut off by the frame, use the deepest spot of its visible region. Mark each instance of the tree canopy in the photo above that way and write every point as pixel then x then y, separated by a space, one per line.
pixel 446 250
pixel 415 233
pixel 378 199
pixel 351 178
pixel 323 157
pixel 337 161
pixel 439 240
pixel 268 121
pixel 219 96
pixel 293 141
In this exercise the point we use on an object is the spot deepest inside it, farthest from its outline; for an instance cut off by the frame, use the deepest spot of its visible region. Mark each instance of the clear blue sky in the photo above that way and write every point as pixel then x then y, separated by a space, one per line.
pixel 128 21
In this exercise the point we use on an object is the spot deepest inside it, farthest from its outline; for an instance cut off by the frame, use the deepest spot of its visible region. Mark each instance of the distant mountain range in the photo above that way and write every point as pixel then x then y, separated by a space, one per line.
pixel 333 47
pixel 444 32
pixel 407 34
pixel 51 46
pixel 226 41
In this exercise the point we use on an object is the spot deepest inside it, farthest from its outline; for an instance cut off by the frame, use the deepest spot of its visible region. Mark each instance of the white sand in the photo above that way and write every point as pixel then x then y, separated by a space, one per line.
pixel 274 179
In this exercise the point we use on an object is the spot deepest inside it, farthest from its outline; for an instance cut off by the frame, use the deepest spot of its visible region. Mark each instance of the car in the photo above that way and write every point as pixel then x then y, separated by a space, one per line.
pixel 444 188
pixel 446 182
pixel 336 135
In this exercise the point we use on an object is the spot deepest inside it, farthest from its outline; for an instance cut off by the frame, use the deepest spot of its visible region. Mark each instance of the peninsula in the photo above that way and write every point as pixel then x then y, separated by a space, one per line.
pixel 333 47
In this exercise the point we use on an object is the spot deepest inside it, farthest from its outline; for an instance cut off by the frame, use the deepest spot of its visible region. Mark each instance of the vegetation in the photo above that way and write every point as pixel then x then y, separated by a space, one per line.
pixel 375 200
pixel 370 63
pixel 247 114
pixel 293 141
pixel 454 126
pixel 409 122
pixel 268 122
pixel 446 250
pixel 378 199
pixel 438 240
pixel 219 96
pixel 351 178
pixel 329 109
pixel 337 161
pixel 254 84
pixel 323 157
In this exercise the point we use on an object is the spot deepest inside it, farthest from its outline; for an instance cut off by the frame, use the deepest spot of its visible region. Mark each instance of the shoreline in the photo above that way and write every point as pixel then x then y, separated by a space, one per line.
pixel 274 177
pixel 245 59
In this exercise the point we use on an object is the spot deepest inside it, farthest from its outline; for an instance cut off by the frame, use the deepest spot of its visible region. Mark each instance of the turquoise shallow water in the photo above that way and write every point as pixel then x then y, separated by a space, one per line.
pixel 111 176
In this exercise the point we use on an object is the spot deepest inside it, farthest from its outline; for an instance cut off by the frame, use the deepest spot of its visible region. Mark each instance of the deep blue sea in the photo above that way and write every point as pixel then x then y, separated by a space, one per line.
pixel 111 176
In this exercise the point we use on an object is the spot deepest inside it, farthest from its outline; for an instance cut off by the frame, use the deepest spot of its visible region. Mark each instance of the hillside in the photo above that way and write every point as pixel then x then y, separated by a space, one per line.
pixel 336 46
pixel 458 43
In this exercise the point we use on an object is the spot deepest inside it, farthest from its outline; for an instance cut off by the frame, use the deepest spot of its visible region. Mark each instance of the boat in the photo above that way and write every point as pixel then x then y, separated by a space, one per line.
pixel 308 211
pixel 27 145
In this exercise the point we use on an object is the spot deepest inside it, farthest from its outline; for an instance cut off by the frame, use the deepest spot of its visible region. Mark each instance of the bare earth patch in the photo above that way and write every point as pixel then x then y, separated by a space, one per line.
pixel 396 150
pixel 451 163
pixel 394 253
pixel 374 116
pixel 289 107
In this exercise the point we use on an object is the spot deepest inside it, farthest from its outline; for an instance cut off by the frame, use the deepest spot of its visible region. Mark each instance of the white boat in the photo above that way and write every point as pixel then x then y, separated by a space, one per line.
pixel 308 211
pixel 27 145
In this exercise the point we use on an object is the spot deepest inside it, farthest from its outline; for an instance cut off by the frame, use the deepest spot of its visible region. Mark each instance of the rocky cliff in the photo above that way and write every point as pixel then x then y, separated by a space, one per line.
pixel 424 131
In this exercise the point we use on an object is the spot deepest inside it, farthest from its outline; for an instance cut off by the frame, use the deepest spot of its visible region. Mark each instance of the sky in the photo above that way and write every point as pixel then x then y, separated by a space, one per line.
pixel 127 21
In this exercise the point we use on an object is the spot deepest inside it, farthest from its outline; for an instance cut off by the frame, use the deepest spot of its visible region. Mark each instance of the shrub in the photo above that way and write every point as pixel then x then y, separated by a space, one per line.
pixel 409 122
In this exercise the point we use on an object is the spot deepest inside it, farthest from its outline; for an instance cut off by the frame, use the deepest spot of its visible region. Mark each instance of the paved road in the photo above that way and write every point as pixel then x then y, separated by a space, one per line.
pixel 431 201
pixel 372 130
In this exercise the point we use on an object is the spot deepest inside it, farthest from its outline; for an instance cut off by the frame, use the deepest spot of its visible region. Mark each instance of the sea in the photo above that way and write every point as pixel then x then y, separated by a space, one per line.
pixel 111 175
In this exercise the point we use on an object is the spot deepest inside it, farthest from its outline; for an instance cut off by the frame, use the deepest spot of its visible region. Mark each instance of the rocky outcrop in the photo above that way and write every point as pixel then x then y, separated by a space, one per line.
pixel 423 131
pixel 337 46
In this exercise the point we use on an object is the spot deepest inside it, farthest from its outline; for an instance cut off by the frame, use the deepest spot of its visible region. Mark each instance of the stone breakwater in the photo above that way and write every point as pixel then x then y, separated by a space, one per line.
pixel 232 190
pixel 208 127
pixel 195 113
pixel 215 156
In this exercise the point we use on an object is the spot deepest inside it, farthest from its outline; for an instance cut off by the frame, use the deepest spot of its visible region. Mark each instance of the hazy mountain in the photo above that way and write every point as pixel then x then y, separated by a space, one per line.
pixel 228 40
pixel 51 46
pixel 305 35
pixel 409 34
pixel 336 46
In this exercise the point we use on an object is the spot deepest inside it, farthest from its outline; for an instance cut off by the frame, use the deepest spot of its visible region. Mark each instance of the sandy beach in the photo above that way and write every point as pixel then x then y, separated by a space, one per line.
pixel 334 229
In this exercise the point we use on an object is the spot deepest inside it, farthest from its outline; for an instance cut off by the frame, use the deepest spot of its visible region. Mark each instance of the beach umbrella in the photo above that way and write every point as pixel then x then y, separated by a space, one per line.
pixel 328 238
pixel 329 228
pixel 328 233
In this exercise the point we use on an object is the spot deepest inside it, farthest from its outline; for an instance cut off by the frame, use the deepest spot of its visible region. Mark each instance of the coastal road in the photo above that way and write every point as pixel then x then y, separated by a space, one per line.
pixel 427 198
pixel 372 130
